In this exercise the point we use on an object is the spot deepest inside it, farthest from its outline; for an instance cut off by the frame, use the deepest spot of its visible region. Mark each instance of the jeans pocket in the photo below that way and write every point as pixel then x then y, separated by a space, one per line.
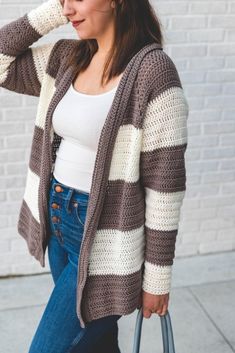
pixel 80 212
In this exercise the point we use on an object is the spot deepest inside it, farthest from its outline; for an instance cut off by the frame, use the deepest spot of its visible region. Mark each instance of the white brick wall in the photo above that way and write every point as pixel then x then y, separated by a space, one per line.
pixel 200 38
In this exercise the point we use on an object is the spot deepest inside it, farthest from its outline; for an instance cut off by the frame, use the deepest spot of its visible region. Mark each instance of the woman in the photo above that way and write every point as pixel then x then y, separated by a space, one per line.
pixel 106 176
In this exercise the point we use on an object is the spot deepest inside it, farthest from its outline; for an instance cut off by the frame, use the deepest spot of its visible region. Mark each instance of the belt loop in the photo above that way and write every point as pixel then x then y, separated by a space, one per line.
pixel 67 200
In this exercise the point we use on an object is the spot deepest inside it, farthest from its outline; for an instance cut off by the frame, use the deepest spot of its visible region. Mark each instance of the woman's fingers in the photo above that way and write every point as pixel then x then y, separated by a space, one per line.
pixel 163 311
pixel 157 304
pixel 146 313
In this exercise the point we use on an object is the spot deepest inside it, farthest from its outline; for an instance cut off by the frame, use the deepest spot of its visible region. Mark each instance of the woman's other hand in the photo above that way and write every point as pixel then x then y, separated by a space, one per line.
pixel 153 304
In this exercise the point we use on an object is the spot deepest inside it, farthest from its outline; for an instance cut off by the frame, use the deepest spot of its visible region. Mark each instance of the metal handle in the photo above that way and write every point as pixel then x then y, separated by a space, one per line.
pixel 167 333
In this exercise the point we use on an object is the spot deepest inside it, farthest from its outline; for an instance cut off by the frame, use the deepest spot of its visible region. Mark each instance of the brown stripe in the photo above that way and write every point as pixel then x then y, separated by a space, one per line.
pixel 132 115
pixel 28 227
pixel 167 76
pixel 59 55
pixel 160 246
pixel 164 169
pixel 123 206
pixel 156 74
pixel 12 42
pixel 105 295
pixel 36 150
pixel 22 76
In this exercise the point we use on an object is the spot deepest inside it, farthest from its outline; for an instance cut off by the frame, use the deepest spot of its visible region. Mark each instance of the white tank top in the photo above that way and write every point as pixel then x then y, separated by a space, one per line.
pixel 79 119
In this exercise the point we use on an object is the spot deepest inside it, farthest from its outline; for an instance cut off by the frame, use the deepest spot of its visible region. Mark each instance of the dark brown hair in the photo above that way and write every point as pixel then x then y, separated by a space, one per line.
pixel 136 25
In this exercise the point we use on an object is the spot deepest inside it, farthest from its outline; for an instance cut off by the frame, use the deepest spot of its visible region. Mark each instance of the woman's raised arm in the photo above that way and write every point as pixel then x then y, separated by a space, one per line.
pixel 22 67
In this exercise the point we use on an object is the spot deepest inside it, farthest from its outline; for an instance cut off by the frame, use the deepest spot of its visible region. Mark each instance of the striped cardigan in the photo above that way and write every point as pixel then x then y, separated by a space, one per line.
pixel 139 177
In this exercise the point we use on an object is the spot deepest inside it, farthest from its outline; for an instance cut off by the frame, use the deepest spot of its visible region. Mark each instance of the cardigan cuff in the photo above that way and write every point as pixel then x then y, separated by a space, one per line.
pixel 156 278
pixel 47 16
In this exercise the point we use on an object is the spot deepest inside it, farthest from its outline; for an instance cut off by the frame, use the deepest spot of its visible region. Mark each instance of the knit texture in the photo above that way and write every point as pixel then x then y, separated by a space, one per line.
pixel 139 177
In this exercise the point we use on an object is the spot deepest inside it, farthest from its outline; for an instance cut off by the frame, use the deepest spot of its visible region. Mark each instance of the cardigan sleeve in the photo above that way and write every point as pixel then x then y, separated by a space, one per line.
pixel 22 67
pixel 163 174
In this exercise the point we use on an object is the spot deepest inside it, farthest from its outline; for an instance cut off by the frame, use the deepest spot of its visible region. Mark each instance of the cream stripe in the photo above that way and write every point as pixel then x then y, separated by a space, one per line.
pixel 40 57
pixel 47 90
pixel 117 252
pixel 31 193
pixel 5 61
pixel 47 16
pixel 125 160
pixel 163 209
pixel 165 122
pixel 156 279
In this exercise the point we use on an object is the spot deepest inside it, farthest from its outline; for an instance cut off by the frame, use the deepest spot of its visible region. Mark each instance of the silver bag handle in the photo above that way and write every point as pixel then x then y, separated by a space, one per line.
pixel 167 333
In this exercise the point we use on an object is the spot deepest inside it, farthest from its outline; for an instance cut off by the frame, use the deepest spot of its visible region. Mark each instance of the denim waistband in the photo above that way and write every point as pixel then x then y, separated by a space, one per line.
pixel 67 190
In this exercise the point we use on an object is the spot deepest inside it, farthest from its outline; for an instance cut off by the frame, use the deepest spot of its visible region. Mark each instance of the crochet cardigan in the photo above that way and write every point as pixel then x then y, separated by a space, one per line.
pixel 139 177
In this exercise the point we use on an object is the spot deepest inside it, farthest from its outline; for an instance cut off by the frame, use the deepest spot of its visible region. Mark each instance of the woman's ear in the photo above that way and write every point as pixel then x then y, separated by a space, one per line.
pixel 113 4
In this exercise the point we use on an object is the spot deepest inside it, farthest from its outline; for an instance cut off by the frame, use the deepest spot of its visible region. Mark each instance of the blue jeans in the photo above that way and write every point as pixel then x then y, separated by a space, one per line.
pixel 59 329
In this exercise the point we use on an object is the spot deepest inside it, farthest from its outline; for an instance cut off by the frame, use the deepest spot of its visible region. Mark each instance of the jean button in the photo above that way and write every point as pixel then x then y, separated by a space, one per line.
pixel 55 219
pixel 58 188
pixel 55 205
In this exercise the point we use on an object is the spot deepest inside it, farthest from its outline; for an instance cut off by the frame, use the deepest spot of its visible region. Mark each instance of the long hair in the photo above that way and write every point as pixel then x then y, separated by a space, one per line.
pixel 136 25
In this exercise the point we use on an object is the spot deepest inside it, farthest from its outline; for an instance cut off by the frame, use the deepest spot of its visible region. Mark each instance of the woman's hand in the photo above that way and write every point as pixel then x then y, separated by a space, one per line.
pixel 153 304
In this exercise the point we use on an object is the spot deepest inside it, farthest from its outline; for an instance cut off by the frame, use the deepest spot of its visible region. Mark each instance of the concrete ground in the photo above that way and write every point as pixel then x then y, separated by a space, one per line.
pixel 202 309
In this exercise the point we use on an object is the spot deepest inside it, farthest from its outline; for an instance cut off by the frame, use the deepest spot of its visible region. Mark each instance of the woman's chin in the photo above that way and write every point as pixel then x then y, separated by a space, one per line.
pixel 83 36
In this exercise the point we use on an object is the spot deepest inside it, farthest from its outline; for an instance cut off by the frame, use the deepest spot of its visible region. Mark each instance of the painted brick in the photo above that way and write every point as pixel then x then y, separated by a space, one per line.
pixel 199 37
